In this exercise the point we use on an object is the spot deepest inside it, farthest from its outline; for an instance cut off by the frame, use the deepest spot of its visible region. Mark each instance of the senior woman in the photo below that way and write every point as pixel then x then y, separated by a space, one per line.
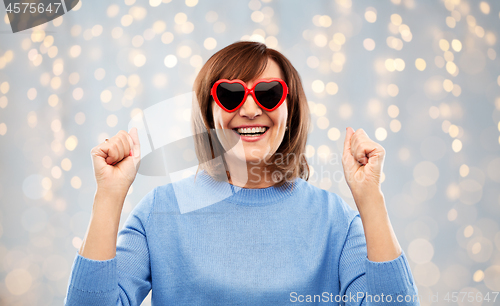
pixel 274 239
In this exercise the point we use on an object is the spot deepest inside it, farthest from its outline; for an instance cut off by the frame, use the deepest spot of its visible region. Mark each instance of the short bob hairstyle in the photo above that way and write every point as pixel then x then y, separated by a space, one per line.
pixel 246 60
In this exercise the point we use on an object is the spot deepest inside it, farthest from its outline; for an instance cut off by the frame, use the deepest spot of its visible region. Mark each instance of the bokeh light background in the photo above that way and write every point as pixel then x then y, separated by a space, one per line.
pixel 422 78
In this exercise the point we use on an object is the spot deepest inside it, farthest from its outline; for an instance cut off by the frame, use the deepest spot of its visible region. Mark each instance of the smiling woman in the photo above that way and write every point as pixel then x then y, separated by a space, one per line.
pixel 251 64
pixel 263 235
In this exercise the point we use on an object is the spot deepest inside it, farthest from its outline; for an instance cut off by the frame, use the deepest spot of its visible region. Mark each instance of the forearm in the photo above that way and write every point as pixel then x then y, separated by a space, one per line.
pixel 100 240
pixel 381 241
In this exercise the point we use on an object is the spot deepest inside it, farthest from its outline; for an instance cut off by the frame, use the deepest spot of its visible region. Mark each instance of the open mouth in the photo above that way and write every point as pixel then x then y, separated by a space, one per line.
pixel 254 131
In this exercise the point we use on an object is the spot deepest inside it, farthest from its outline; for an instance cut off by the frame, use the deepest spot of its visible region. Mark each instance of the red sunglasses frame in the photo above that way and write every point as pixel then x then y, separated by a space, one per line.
pixel 251 91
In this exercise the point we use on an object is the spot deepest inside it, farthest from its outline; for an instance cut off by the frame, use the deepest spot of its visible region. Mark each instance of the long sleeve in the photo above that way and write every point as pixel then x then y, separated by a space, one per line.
pixel 365 282
pixel 122 280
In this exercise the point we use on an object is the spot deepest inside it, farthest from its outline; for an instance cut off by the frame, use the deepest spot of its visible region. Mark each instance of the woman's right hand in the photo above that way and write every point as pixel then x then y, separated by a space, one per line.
pixel 116 161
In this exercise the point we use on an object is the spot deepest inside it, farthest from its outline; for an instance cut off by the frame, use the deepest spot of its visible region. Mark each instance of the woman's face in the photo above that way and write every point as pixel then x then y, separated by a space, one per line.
pixel 251 115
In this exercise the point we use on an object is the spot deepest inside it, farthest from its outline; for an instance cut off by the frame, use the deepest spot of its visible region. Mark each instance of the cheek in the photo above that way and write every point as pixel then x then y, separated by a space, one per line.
pixel 221 118
pixel 280 117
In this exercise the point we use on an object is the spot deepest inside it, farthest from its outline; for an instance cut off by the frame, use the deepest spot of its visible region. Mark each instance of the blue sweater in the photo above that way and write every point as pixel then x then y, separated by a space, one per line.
pixel 207 242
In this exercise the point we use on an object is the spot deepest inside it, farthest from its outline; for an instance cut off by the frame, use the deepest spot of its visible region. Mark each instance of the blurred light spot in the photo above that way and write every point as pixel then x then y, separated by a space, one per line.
pixel 76 182
pixel 32 119
pixel 452 214
pixel 451 68
pixel 320 109
pixel 480 249
pixel 53 100
pixel 56 172
pixel 74 78
pixel 345 111
pixel 32 93
pixel 478 276
pixel 393 111
pixel 457 90
pixel 320 40
pixel 4 87
pixel 126 20
pixel 71 143
pixel 170 60
pixel 444 44
pixel 318 86
pixel 78 93
pixel 434 112
pixel 470 191
pixel 426 173
pixel 371 14
pixel 159 26
pixel 212 16
pixel 160 80
pixel 112 120
pixel 257 16
pixel 112 10
pixel 332 88
pixel 392 90
pixel 369 44
pixel 456 145
pixel 420 251
pixel 97 30
pixel 80 118
pixel 456 45
pixel 312 62
pixel 3 102
pixel 18 281
pixel 77 242
pixel 333 134
pixel 484 7
pixel 210 43
pixel 451 22
pixel 117 32
pixel 138 12
pixel 396 19
pixel 492 277
pixel 468 231
pixel 309 151
pixel 75 51
pixel 99 74
pixel 139 60
pixel 323 123
pixel 464 170
pixel 180 18
pixel 55 82
pixel 395 125
pixel 137 41
pixel 66 164
pixel 426 274
pixel 453 192
pixel 381 134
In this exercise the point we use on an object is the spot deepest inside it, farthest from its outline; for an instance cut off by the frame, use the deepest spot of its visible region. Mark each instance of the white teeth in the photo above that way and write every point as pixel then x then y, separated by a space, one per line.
pixel 251 130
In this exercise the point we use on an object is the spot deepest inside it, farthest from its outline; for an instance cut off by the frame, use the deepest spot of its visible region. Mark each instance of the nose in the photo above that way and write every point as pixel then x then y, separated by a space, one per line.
pixel 250 108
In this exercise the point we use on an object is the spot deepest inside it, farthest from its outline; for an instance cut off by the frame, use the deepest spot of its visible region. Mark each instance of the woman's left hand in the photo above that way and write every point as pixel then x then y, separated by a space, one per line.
pixel 362 160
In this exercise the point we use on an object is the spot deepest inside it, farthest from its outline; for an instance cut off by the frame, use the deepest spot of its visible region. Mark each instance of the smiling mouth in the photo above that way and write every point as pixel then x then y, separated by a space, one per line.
pixel 256 131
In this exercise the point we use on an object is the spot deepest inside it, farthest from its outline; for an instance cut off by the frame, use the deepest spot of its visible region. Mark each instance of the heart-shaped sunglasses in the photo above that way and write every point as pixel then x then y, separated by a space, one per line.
pixel 231 94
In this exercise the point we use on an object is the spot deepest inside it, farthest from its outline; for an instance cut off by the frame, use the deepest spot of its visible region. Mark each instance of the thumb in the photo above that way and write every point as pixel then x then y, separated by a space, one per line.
pixel 136 146
pixel 347 140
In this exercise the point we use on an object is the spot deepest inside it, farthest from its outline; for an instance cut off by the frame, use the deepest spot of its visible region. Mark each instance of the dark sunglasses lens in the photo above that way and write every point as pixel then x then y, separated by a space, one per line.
pixel 230 94
pixel 269 94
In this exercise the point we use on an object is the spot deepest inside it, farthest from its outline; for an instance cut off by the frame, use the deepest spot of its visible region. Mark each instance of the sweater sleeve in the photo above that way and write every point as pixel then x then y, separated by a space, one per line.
pixel 122 280
pixel 365 282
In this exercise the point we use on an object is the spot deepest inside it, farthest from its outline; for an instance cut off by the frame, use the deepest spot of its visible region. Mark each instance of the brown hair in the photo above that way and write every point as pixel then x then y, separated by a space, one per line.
pixel 246 60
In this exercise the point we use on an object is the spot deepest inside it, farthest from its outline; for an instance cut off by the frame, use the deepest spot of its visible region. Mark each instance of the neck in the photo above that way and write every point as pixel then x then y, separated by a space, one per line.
pixel 251 175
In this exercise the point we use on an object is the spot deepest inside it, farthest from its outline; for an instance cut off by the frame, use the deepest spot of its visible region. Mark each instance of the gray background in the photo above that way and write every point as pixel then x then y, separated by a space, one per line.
pixel 442 167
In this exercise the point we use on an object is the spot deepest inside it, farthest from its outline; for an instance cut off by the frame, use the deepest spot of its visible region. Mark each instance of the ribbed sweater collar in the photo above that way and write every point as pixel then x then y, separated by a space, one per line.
pixel 248 196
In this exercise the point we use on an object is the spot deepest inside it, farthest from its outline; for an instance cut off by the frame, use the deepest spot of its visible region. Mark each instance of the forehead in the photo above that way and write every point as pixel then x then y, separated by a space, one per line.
pixel 272 70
